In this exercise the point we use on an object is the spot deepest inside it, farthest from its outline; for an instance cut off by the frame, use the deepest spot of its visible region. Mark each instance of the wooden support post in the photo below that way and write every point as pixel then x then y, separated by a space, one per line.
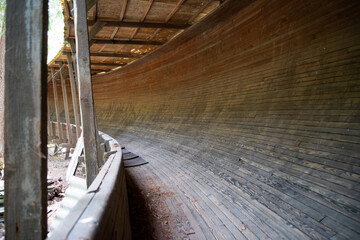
pixel 73 95
pixel 66 107
pixel 25 119
pixel 50 131
pixel 73 51
pixel 85 91
pixel 57 106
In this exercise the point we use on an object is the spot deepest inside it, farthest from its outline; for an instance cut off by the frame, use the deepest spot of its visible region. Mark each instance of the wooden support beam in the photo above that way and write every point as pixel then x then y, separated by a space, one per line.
pixel 96 63
pixel 171 14
pixel 147 9
pixel 117 55
pixel 54 75
pixel 123 9
pixel 95 29
pixel 57 105
pixel 206 5
pixel 73 95
pixel 90 4
pixel 85 94
pixel 66 108
pixel 125 42
pixel 50 129
pixel 134 24
pixel 73 50
pixel 25 145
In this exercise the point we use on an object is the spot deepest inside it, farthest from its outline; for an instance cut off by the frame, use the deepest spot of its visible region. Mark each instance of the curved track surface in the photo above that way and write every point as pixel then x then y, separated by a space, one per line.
pixel 249 121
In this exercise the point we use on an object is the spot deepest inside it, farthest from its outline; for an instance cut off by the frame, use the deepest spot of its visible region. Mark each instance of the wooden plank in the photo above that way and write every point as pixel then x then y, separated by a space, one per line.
pixel 126 42
pixel 89 4
pixel 123 9
pixel 25 145
pixel 173 11
pixel 66 108
pixel 190 21
pixel 99 22
pixel 73 95
pixel 85 92
pixel 57 106
pixel 50 129
pixel 109 54
pixel 147 9
pixel 95 29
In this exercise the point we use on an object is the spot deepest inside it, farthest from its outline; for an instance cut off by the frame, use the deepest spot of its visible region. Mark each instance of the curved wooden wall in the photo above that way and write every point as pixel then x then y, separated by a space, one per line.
pixel 251 118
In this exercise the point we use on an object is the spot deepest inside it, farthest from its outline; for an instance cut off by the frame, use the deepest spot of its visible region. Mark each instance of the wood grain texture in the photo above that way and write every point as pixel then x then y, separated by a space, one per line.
pixel 25 120
pixel 56 104
pixel 103 212
pixel 85 92
pixel 66 107
pixel 251 117
pixel 74 95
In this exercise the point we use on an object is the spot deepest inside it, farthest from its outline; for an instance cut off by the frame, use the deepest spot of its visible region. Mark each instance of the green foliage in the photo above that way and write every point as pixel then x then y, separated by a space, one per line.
pixel 2 15
pixel 56 28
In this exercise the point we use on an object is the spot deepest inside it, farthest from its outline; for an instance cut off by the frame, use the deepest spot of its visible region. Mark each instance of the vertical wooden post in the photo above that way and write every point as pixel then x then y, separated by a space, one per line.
pixel 50 131
pixel 85 91
pixel 25 119
pixel 73 95
pixel 73 51
pixel 57 106
pixel 66 106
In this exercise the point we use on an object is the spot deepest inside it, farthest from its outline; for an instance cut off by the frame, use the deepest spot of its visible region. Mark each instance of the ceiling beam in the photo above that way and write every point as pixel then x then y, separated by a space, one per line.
pixel 109 54
pixel 134 24
pixel 123 9
pixel 126 42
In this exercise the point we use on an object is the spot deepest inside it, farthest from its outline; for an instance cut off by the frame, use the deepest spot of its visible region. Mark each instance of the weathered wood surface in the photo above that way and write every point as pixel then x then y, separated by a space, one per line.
pixel 137 20
pixel 25 120
pixel 251 118
pixel 74 95
pixel 57 105
pixel 66 107
pixel 85 91
pixel 103 212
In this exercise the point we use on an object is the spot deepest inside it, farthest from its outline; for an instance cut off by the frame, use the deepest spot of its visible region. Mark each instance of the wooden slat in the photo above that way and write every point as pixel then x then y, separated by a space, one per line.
pixel 66 107
pixel 100 22
pixel 73 95
pixel 167 19
pixel 89 4
pixel 85 92
pixel 50 129
pixel 57 106
pixel 109 54
pixel 123 9
pixel 126 42
pixel 190 21
pixel 95 29
pixel 147 9
pixel 25 134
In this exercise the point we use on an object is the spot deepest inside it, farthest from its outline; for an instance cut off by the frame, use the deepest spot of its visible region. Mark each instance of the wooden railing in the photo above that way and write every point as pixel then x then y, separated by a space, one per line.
pixel 102 213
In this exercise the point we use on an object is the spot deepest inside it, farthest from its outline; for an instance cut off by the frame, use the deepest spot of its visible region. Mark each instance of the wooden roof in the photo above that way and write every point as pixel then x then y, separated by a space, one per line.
pixel 122 31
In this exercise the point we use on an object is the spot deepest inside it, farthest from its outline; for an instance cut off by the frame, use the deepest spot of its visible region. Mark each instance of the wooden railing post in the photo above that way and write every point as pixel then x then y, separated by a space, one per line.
pixel 73 95
pixel 85 91
pixel 57 105
pixel 66 106
pixel 25 119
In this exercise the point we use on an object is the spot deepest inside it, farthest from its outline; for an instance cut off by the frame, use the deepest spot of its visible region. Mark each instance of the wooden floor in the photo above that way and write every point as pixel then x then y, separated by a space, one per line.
pixel 249 121
pixel 236 200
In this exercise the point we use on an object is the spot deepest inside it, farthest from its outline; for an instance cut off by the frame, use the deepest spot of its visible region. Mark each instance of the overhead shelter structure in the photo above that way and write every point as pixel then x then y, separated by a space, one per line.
pixel 247 112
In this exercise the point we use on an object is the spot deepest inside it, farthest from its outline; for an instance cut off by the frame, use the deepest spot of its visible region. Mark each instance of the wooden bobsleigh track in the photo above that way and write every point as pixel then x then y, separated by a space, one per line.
pixel 250 121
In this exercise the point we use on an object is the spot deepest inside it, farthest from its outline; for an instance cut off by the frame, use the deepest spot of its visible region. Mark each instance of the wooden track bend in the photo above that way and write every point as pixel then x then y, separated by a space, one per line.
pixel 250 121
